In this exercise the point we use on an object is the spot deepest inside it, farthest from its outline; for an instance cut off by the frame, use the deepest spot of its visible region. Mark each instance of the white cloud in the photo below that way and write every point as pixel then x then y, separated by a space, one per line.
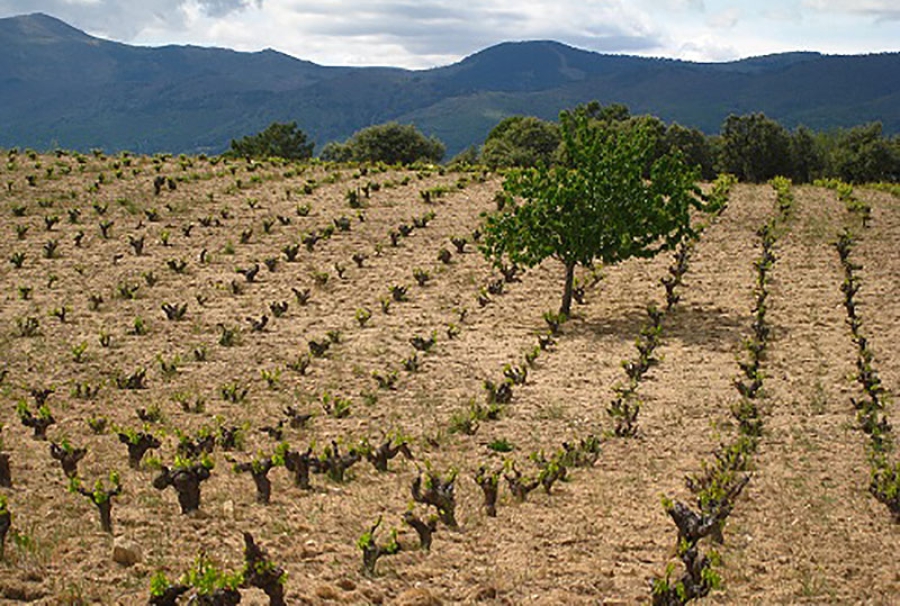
pixel 881 10
pixel 125 20
pixel 707 49
pixel 395 32
pixel 220 8
pixel 726 19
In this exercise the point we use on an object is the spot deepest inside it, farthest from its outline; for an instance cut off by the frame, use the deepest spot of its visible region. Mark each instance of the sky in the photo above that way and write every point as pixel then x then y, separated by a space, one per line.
pixel 419 34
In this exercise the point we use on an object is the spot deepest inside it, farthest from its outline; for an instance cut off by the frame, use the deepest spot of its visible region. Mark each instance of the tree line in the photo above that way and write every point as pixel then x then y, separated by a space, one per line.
pixel 753 147
pixel 392 143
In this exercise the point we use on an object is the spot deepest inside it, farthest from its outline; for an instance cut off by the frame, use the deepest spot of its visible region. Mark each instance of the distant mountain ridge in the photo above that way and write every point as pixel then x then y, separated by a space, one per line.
pixel 60 87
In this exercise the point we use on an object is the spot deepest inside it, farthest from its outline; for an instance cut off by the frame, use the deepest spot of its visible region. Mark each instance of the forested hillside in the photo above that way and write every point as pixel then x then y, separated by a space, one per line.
pixel 60 87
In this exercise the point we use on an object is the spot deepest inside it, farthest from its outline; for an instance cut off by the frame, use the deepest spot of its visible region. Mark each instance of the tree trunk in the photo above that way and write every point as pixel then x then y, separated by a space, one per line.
pixel 105 509
pixel 566 307
pixel 5 477
pixel 263 487
pixel 275 591
pixel 5 524
pixel 299 463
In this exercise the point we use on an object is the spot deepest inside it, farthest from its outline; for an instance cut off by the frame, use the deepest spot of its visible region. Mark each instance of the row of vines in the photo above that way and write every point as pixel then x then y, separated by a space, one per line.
pixel 331 380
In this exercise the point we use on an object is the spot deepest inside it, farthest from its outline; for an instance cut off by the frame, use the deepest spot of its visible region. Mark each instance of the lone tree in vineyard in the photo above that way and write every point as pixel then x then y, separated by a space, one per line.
pixel 595 205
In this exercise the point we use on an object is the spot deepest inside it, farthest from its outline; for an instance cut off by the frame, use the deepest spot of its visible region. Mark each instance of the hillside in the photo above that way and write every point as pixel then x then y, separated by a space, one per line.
pixel 62 87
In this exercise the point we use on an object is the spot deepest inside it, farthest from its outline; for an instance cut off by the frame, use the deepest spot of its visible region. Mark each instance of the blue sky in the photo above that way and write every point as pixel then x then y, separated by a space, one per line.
pixel 425 33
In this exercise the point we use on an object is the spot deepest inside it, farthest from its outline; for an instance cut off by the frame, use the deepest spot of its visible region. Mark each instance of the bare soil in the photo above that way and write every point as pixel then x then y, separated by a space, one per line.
pixel 806 529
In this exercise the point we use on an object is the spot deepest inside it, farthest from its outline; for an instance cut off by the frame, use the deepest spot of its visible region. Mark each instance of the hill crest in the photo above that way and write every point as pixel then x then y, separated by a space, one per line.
pixel 63 87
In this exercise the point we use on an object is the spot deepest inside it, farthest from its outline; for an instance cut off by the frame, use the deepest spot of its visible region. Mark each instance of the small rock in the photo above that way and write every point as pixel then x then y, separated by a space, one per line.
pixel 126 552
pixel 327 592
pixel 372 595
pixel 228 509
pixel 484 593
pixel 416 597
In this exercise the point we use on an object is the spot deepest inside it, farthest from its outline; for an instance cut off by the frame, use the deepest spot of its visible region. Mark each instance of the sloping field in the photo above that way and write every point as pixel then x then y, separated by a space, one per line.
pixel 805 530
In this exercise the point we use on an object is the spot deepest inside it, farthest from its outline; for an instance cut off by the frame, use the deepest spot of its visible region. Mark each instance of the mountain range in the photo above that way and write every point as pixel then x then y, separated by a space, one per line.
pixel 60 87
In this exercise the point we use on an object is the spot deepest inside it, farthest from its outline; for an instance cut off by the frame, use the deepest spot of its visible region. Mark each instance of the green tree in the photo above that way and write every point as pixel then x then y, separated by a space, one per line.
pixel 596 206
pixel 806 156
pixel 754 148
pixel 334 151
pixel 655 129
pixel 279 140
pixel 391 143
pixel 609 114
pixel 520 141
pixel 694 146
pixel 467 157
pixel 862 155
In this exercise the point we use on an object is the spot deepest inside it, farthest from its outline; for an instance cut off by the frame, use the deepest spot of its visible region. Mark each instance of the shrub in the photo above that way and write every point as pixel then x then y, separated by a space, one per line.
pixel 278 140
pixel 391 143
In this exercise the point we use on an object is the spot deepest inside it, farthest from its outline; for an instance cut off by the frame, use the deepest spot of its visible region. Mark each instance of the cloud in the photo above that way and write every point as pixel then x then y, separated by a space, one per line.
pixel 387 32
pixel 786 14
pixel 726 19
pixel 707 49
pixel 457 28
pixel 880 10
pixel 124 20
pixel 220 8
pixel 426 33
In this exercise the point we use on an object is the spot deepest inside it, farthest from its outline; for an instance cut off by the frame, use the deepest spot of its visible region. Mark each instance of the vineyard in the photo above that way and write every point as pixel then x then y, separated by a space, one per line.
pixel 303 383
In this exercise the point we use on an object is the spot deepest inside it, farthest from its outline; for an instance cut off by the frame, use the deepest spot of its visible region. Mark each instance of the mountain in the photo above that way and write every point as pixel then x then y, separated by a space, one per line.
pixel 60 87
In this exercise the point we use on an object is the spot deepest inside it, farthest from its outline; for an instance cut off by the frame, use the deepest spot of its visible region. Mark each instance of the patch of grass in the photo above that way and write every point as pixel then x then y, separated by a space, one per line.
pixel 501 445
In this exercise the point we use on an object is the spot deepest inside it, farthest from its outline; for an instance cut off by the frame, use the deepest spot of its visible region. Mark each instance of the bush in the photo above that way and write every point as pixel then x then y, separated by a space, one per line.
pixel 754 148
pixel 279 140
pixel 694 147
pixel 391 143
pixel 807 159
pixel 521 141
pixel 861 155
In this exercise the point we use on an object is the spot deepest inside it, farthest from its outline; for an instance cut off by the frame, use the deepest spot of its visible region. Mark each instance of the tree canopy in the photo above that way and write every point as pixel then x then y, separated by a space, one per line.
pixel 391 143
pixel 520 141
pixel 694 146
pixel 597 206
pixel 755 148
pixel 861 154
pixel 278 140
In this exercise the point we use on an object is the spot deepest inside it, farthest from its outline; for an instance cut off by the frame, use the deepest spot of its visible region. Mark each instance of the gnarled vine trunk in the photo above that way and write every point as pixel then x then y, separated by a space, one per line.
pixel 566 307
